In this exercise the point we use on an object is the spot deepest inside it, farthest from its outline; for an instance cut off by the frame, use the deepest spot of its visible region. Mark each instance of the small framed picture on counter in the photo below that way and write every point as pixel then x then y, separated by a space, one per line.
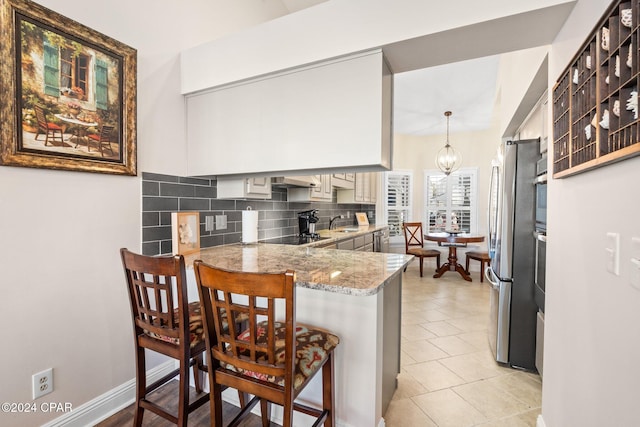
pixel 185 232
pixel 362 218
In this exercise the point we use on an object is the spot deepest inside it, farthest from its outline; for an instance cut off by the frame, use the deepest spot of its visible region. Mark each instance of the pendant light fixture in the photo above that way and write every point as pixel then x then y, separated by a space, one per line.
pixel 448 159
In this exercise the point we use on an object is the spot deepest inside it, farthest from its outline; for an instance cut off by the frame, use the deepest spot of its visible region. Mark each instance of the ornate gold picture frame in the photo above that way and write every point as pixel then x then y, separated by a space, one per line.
pixel 69 94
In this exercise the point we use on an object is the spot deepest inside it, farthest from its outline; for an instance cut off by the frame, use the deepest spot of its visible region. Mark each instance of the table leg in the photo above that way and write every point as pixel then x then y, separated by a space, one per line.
pixel 452 265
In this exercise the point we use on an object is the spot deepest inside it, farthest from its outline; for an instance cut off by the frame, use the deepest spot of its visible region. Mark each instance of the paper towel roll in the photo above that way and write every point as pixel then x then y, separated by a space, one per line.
pixel 249 226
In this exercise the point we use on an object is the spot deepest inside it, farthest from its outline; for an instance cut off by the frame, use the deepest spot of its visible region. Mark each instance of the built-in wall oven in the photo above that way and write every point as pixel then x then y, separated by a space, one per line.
pixel 540 233
pixel 541 195
pixel 540 236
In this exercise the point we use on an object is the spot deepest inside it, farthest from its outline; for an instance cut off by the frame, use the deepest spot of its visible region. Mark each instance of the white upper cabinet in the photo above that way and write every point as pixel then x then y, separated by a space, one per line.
pixel 365 189
pixel 318 193
pixel 343 180
pixel 244 188
pixel 330 115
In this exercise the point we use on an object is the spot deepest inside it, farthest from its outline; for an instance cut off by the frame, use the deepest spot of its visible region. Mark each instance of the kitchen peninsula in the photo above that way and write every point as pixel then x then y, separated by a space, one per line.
pixel 356 295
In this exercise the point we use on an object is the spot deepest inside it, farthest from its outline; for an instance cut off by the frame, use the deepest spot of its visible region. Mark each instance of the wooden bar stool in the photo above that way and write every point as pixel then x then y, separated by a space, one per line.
pixel 159 325
pixel 272 360
pixel 483 257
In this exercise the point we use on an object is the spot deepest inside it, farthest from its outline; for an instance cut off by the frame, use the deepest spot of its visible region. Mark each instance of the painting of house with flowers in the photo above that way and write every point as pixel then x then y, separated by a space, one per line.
pixel 70 94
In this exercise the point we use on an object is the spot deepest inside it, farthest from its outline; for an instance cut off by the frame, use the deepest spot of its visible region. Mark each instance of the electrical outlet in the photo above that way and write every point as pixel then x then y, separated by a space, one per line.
pixel 208 223
pixel 42 383
pixel 221 222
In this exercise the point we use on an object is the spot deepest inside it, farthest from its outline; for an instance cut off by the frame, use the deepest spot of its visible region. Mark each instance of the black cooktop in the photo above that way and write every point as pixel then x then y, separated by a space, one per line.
pixel 294 240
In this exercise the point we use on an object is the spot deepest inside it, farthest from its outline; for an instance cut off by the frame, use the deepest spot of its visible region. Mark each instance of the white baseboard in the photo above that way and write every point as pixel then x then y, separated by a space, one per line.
pixel 540 421
pixel 102 407
pixel 118 398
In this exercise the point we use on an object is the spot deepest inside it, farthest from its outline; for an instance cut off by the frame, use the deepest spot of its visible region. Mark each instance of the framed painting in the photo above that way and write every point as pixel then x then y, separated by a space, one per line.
pixel 185 232
pixel 69 93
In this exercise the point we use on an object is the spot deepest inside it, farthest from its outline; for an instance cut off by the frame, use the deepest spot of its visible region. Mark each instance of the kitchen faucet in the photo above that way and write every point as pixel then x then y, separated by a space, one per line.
pixel 333 219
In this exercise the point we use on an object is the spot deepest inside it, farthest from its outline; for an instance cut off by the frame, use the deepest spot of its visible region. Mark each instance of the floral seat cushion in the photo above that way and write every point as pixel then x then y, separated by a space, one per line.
pixel 196 328
pixel 313 346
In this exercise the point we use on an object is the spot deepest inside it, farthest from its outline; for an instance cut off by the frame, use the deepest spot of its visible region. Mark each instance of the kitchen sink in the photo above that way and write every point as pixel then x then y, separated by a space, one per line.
pixel 348 230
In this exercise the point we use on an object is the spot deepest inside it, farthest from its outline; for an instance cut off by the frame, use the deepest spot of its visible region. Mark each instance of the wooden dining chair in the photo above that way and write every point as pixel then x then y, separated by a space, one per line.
pixel 483 257
pixel 414 244
pixel 102 139
pixel 162 326
pixel 271 359
pixel 50 130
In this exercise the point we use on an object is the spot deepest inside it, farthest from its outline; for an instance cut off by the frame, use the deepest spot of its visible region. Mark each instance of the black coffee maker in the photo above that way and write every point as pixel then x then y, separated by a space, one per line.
pixel 307 223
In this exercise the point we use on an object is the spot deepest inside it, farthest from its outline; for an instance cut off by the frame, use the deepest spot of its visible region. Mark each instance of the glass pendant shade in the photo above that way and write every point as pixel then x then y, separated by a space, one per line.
pixel 448 159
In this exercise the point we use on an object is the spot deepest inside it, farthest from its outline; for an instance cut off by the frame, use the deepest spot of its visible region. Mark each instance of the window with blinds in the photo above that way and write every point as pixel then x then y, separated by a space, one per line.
pixel 451 201
pixel 398 187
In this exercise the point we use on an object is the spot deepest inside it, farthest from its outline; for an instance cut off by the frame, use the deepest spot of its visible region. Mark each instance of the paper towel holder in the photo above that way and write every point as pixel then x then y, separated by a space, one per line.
pixel 249 226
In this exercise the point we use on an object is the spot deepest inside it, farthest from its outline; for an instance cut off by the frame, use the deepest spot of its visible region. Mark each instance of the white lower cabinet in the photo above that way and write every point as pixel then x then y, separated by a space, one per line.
pixel 363 243
pixel 244 188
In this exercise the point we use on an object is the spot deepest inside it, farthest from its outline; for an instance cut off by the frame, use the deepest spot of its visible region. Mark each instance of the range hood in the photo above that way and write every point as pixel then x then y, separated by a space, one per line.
pixel 297 181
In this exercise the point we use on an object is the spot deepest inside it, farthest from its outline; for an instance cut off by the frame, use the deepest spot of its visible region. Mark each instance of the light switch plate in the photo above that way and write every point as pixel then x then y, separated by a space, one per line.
pixel 613 253
pixel 221 222
pixel 635 262
pixel 208 223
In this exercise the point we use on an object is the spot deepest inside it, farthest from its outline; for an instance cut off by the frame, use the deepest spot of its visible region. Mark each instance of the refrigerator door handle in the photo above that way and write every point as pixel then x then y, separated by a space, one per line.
pixel 488 273
pixel 492 216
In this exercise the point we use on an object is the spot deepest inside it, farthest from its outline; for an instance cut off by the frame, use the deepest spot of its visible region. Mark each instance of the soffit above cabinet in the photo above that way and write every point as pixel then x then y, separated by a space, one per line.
pixel 334 115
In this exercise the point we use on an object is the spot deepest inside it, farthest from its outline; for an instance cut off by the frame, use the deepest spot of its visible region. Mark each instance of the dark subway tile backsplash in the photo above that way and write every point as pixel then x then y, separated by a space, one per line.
pixel 163 194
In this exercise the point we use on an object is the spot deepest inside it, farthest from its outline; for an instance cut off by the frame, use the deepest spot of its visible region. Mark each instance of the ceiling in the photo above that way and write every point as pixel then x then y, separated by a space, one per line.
pixel 422 96
pixel 460 76
pixel 466 88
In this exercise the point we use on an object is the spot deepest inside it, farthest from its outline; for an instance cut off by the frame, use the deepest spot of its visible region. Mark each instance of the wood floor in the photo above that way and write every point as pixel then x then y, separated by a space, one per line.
pixel 167 397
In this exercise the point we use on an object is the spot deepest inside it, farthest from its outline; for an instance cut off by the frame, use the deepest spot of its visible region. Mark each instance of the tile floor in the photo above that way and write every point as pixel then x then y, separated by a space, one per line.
pixel 448 376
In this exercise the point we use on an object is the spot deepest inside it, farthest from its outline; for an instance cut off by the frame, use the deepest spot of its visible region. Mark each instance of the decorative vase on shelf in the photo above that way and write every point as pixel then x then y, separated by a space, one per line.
pixel 604 123
pixel 626 17
pixel 617 69
pixel 605 38
pixel 616 108
pixel 632 103
pixel 630 56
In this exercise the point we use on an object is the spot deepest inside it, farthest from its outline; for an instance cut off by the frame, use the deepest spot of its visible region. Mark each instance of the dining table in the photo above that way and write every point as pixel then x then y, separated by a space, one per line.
pixel 78 130
pixel 453 240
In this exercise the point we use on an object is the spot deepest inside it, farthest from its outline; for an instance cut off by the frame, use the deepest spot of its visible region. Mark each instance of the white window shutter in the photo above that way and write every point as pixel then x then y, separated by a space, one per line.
pixel 451 201
pixel 398 187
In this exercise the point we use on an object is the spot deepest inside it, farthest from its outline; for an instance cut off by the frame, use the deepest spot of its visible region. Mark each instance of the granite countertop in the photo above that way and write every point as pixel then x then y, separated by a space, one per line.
pixel 347 272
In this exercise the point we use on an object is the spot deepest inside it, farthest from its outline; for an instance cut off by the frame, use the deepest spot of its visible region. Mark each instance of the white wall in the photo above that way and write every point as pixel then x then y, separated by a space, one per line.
pixel 591 370
pixel 64 301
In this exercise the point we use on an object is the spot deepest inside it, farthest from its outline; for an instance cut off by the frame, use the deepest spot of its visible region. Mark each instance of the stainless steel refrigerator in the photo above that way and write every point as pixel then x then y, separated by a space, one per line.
pixel 512 329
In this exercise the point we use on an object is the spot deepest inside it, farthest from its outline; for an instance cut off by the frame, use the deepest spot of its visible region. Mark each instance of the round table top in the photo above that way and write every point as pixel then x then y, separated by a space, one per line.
pixel 75 121
pixel 445 237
